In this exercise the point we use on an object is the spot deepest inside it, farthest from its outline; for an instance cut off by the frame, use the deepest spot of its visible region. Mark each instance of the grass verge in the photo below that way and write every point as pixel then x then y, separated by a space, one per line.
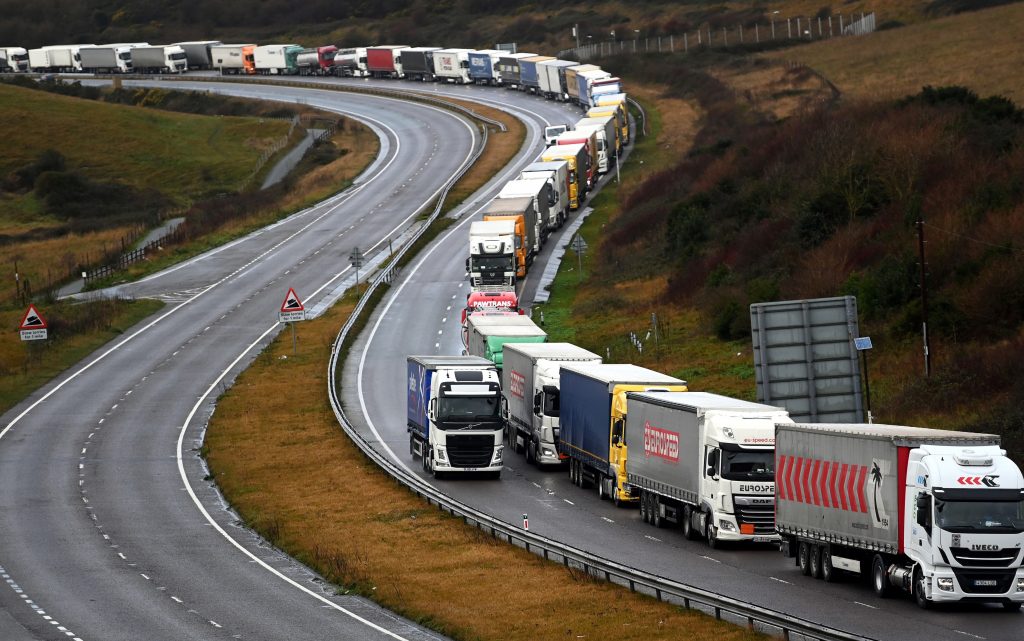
pixel 76 330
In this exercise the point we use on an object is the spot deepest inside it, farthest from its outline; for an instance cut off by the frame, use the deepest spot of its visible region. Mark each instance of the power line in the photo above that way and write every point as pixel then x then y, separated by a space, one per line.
pixel 1005 246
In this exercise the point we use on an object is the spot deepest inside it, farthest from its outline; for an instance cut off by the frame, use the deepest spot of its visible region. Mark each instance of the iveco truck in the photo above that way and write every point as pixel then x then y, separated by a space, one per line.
pixel 453 414
pixel 705 462
pixel 937 514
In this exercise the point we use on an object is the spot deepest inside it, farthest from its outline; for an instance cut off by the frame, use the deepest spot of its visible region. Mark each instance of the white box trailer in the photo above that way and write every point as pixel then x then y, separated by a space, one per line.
pixel 277 59
pixel 551 74
pixel 705 462
pixel 544 202
pixel 56 58
pixel 556 172
pixel 452 65
pixel 198 53
pixel 529 383
pixel 110 59
pixel 159 59
pixel 936 513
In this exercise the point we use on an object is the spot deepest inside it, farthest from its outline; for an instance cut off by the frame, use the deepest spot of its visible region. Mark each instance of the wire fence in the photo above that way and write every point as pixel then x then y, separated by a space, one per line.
pixel 777 31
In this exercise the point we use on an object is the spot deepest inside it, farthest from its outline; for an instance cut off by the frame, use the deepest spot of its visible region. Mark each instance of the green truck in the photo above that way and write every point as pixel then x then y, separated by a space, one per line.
pixel 486 334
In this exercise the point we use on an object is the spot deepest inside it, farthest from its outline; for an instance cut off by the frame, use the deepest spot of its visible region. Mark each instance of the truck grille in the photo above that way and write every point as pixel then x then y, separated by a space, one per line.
pixel 762 517
pixel 984 581
pixel 470 450
pixel 985 558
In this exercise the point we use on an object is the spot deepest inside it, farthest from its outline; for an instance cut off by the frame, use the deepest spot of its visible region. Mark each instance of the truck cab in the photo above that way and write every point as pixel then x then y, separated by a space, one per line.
pixel 492 254
pixel 964 525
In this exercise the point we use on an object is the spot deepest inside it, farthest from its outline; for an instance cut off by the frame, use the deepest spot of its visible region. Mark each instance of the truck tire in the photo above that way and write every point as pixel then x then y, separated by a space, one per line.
pixel 644 511
pixel 574 472
pixel 879 577
pixel 828 573
pixel 412 446
pixel 689 533
pixel 531 453
pixel 918 588
pixel 712 534
pixel 815 561
pixel 803 556
pixel 655 510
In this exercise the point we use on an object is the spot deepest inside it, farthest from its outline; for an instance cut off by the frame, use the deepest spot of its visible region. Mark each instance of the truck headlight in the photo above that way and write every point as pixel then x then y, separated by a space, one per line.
pixel 1020 584
pixel 726 525
pixel 548 452
pixel 945 583
pixel 441 455
pixel 497 454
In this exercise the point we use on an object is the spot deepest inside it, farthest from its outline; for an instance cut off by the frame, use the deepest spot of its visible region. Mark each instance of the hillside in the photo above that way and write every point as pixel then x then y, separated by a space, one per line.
pixel 471 23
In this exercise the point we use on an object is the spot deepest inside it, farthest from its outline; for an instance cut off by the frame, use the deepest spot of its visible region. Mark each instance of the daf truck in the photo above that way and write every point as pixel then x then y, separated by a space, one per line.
pixel 593 406
pixel 704 462
pixel 529 383
pixel 572 83
pixel 492 254
pixel 937 514
pixel 198 53
pixel 233 59
pixel 576 158
pixel 487 334
pixel 522 212
pixel 544 202
pixel 586 80
pixel 453 414
pixel 556 173
pixel 110 59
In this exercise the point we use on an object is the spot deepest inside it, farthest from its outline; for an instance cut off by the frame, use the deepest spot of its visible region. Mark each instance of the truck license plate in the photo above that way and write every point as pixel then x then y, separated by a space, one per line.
pixel 762 539
pixel 985 582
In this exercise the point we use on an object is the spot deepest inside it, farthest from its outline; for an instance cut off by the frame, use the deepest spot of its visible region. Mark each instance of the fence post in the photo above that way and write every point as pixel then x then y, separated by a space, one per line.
pixel 799 29
pixel 725 37
pixel 757 35
pixel 830 34
pixel 841 24
pixel 671 44
pixel 659 44
pixel 819 27
pixel 686 43
pixel 741 34
pixel 700 38
pixel 773 28
pixel 789 28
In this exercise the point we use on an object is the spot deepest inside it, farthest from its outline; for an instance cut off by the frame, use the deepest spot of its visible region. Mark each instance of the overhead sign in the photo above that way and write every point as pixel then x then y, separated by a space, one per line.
pixel 33 325
pixel 292 309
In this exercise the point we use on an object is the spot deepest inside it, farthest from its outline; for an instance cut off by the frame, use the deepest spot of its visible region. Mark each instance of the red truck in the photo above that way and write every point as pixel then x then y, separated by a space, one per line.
pixel 316 62
pixel 385 61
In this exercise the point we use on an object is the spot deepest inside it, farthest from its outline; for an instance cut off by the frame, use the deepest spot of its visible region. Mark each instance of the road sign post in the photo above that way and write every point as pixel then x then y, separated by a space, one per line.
pixel 356 258
pixel 292 311
pixel 863 345
pixel 33 326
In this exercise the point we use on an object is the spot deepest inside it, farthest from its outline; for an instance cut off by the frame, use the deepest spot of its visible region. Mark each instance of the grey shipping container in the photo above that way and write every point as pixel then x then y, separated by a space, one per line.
pixel 843 483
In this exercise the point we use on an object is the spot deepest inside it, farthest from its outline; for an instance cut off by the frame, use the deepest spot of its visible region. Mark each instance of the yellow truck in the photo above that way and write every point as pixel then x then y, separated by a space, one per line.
pixel 592 419
pixel 521 212
pixel 614 104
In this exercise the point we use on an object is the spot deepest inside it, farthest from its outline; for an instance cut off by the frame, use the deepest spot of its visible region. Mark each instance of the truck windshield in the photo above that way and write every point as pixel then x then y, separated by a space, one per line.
pixel 748 465
pixel 178 55
pixel 551 404
pixel 126 55
pixel 468 408
pixel 493 263
pixel 977 516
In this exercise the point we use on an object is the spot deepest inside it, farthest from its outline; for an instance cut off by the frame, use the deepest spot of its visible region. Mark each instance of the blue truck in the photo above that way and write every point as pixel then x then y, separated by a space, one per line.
pixel 453 414
pixel 593 416
pixel 483 67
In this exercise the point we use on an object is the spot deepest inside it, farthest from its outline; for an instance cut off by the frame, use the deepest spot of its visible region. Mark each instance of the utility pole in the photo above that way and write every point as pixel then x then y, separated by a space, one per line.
pixel 924 295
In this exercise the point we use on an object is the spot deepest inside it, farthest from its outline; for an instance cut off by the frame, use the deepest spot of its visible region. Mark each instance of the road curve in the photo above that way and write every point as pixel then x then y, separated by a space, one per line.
pixel 108 529
pixel 421 315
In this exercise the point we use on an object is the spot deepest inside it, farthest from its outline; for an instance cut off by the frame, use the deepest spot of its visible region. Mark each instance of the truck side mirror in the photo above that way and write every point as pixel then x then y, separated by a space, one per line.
pixel 924 511
pixel 537 403
pixel 432 409
pixel 467 264
pixel 617 431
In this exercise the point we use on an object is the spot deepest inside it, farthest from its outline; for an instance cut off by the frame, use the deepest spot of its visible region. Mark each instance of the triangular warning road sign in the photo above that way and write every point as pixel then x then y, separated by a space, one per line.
pixel 291 302
pixel 32 319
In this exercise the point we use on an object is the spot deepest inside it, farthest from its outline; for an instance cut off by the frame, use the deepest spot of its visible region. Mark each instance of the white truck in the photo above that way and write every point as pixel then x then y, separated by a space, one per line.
pixel 453 414
pixel 159 59
pixel 13 59
pixel 704 462
pixel 109 59
pixel 277 59
pixel 544 202
pixel 351 63
pixel 233 59
pixel 552 132
pixel 198 54
pixel 452 65
pixel 56 58
pixel 607 139
pixel 529 383
pixel 938 514
pixel 551 74
pixel 556 172
pixel 492 254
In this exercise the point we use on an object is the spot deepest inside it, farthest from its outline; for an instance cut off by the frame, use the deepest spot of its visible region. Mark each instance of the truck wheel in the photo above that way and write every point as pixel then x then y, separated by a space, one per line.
pixel 531 453
pixel 712 537
pixel 644 512
pixel 815 561
pixel 1012 606
pixel 655 509
pixel 688 532
pixel 601 493
pixel 919 595
pixel 803 556
pixel 828 573
pixel 617 497
pixel 879 578
pixel 574 474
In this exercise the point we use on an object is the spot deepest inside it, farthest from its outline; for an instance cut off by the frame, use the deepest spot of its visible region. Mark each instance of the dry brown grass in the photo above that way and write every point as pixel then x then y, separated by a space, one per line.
pixel 277 453
pixel 981 50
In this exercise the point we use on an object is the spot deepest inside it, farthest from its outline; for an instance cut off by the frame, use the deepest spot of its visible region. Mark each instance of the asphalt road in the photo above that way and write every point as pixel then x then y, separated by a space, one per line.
pixel 108 529
pixel 421 315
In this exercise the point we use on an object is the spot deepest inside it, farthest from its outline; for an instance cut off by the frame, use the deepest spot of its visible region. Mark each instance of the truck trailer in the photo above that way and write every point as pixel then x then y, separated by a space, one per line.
pixel 613 104
pixel 589 141
pixel 452 65
pixel 277 59
pixel 233 59
pixel 938 514
pixel 705 462
pixel 453 414
pixel 529 383
pixel 109 59
pixel 483 66
pixel 198 53
pixel 317 61
pixel 556 173
pixel 543 202
pixel 605 131
pixel 418 63
pixel 508 67
pixel 492 254
pixel 529 73
pixel 552 78
pixel 350 63
pixel 487 335
pixel 572 83
pixel 385 61
pixel 159 59
pixel 592 422
pixel 522 212
pixel 576 157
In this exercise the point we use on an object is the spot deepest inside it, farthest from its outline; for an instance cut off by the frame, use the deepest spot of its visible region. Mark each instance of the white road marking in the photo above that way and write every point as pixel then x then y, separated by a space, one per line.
pixel 709 558
pixel 176 599
pixel 968 634
pixel 653 538
pixel 607 519
pixel 866 605
pixel 775 578
pixel 568 501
